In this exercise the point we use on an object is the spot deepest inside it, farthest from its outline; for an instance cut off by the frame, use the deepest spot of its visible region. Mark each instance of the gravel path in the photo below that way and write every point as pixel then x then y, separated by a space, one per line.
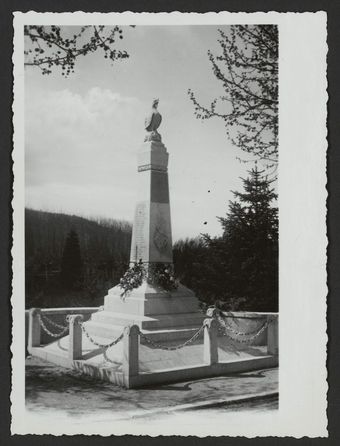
pixel 51 387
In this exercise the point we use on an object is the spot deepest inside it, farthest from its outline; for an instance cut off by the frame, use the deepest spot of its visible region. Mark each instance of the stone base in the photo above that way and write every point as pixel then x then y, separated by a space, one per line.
pixel 162 315
pixel 155 366
pixel 147 364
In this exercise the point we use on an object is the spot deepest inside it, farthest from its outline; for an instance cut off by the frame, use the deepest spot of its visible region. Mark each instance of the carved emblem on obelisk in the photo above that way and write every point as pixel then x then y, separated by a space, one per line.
pixel 160 237
pixel 160 240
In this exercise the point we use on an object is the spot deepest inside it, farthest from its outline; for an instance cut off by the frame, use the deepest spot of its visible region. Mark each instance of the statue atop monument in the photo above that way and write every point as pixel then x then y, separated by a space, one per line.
pixel 152 122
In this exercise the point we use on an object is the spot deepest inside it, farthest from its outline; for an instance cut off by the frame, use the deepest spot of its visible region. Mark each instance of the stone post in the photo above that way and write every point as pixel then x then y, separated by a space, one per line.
pixel 210 341
pixel 75 350
pixel 130 354
pixel 34 328
pixel 212 312
pixel 273 335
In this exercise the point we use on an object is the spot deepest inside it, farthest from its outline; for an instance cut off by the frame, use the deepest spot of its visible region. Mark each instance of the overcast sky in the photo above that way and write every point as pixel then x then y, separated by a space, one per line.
pixel 82 133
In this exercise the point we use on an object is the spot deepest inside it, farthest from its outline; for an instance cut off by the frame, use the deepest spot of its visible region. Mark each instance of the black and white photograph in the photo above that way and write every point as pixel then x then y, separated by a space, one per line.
pixel 153 172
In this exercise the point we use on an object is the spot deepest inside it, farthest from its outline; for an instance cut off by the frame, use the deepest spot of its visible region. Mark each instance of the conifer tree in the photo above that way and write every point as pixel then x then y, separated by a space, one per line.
pixel 246 256
pixel 71 264
pixel 239 270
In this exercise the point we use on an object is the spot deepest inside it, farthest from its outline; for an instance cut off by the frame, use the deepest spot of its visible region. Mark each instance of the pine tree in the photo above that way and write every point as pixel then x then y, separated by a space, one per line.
pixel 246 256
pixel 71 264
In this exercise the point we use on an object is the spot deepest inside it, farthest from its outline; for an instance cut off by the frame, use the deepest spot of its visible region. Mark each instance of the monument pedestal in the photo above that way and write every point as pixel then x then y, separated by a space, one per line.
pixel 159 313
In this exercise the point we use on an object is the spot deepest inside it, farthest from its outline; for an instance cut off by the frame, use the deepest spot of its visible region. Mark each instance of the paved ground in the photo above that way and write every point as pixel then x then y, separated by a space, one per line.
pixel 152 359
pixel 58 389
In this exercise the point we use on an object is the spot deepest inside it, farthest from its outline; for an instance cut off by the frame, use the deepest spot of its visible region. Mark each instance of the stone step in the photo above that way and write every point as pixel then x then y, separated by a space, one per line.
pixel 156 322
pixel 144 302
pixel 115 318
pixel 170 335
pixel 150 306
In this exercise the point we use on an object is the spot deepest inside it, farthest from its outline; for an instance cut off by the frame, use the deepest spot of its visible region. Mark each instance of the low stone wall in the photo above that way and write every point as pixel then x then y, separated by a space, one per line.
pixel 126 371
pixel 239 321
pixel 57 315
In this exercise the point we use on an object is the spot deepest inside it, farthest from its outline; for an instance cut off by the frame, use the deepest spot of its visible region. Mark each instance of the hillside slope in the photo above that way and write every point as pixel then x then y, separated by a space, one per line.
pixel 104 247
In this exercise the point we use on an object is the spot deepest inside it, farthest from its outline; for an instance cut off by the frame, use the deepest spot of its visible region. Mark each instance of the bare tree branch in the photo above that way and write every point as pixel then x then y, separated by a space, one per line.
pixel 248 71
pixel 50 46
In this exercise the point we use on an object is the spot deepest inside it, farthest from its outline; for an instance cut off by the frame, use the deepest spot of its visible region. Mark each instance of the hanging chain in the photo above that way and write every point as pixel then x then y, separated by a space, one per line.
pixel 175 347
pixel 54 335
pixel 242 341
pixel 54 324
pixel 240 333
pixel 219 311
pixel 97 344
pixel 107 359
pixel 250 336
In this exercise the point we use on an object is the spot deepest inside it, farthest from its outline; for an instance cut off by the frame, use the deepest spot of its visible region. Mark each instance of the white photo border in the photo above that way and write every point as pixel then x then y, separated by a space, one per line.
pixel 302 232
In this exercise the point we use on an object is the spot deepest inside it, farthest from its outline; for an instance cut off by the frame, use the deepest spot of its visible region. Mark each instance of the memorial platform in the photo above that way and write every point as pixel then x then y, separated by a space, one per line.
pixel 149 306
pixel 136 360
pixel 160 314
pixel 155 364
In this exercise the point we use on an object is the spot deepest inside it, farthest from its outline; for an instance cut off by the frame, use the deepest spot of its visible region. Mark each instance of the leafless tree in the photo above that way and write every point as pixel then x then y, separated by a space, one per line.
pixel 51 46
pixel 247 68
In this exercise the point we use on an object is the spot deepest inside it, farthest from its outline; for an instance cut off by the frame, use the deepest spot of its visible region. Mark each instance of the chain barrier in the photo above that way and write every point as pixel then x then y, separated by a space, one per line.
pixel 46 330
pixel 240 333
pixel 174 347
pixel 97 344
pixel 64 329
pixel 54 324
pixel 107 359
pixel 237 317
pixel 242 341
pixel 224 328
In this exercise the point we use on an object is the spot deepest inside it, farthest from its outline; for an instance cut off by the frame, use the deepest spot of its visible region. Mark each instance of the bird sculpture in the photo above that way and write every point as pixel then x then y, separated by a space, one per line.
pixel 152 122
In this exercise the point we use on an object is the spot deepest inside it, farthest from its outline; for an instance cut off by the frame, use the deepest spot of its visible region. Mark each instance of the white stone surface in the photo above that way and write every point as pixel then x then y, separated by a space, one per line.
pixel 151 233
pixel 150 307
pixel 140 233
pixel 153 152
pixel 150 359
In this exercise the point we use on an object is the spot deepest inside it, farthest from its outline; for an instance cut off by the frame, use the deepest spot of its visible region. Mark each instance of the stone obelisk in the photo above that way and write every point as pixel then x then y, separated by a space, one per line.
pixel 151 235
pixel 161 313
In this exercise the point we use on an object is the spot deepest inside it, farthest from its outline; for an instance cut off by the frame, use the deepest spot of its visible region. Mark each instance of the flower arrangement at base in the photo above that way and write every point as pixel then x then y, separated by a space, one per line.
pixel 132 278
pixel 162 274
pixel 158 274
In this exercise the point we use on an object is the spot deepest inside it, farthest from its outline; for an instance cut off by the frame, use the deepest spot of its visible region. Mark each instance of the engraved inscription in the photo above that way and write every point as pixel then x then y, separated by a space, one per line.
pixel 155 167
pixel 140 248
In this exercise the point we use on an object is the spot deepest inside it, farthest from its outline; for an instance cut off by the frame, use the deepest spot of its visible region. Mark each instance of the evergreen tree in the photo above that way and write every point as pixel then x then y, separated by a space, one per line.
pixel 239 270
pixel 192 268
pixel 71 264
pixel 246 256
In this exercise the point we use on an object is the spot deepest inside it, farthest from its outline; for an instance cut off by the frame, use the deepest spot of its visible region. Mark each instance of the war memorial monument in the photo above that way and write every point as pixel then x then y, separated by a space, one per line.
pixel 150 328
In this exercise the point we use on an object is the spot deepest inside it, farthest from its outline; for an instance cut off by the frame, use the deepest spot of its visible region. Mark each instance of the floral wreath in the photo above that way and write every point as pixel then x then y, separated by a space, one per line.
pixel 159 274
